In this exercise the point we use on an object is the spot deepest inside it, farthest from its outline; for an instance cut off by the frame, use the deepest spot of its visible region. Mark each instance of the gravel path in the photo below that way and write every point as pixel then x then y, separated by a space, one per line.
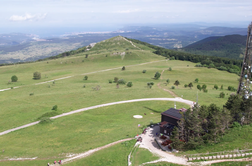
pixel 171 92
pixel 131 43
pixel 82 155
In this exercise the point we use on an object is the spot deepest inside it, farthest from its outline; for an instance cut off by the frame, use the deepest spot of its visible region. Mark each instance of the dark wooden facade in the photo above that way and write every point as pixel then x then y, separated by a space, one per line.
pixel 169 119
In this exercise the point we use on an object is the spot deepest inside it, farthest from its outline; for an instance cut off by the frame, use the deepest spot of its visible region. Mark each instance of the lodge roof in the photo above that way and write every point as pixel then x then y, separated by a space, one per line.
pixel 172 112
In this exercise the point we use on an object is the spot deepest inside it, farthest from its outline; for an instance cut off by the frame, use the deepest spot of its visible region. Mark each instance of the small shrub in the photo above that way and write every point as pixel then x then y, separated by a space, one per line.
pixel 85 78
pixel 222 68
pixel 196 80
pixel 110 81
pixel 157 75
pixel 121 81
pixel 231 88
pixel 150 84
pixel 86 56
pixel 222 95
pixel 170 69
pixel 198 65
pixel 204 86
pixel 177 83
pixel 221 87
pixel 115 80
pixel 211 65
pixel 14 78
pixel 199 87
pixel 55 108
pixel 173 87
pixel 48 114
pixel 167 81
pixel 36 75
pixel 172 58
pixel 31 94
pixel 84 86
pixel 129 84
pixel 144 71
pixel 123 68
pixel 190 85
pixel 216 87
pixel 45 120
pixel 185 85
pixel 11 87
pixel 205 90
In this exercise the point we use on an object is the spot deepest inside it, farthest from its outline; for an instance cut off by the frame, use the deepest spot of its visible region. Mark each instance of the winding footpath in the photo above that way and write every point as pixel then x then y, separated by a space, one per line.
pixel 188 102
pixel 85 154
pixel 171 92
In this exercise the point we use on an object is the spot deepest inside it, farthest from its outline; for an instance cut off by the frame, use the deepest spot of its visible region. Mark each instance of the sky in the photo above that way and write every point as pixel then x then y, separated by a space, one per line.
pixel 106 15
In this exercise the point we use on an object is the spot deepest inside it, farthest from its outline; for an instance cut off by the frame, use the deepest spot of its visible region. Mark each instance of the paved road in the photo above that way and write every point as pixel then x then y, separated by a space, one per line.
pixel 150 144
pixel 177 99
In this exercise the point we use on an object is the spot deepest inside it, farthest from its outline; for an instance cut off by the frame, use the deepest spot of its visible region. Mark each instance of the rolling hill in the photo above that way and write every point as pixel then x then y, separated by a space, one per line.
pixel 230 46
pixel 63 84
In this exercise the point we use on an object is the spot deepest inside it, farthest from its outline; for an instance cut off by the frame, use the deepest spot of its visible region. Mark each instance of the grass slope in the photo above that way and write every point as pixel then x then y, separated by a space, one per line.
pixel 115 155
pixel 94 128
pixel 141 156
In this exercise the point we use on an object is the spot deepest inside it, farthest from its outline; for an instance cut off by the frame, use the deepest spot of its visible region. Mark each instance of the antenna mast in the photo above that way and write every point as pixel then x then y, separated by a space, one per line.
pixel 244 83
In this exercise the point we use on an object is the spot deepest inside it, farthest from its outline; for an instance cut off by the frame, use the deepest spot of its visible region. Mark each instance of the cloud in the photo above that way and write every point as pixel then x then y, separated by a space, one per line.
pixel 128 11
pixel 28 17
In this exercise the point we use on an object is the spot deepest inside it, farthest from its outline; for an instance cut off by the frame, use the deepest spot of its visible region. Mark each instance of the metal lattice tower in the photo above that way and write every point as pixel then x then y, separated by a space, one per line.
pixel 245 79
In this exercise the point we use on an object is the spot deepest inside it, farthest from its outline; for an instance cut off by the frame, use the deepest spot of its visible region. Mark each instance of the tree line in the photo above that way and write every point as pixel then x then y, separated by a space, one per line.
pixel 226 64
pixel 203 125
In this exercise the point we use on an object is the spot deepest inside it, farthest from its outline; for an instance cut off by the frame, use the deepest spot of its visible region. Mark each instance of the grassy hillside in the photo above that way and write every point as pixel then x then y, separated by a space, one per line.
pixel 94 128
pixel 231 46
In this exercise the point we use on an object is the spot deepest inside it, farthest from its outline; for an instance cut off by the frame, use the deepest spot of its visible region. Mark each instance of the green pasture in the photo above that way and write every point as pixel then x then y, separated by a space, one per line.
pixel 115 155
pixel 210 77
pixel 83 131
pixel 141 156
pixel 19 108
pixel 80 132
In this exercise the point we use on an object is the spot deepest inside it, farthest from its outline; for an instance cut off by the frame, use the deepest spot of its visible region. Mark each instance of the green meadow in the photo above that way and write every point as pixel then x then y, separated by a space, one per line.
pixel 90 129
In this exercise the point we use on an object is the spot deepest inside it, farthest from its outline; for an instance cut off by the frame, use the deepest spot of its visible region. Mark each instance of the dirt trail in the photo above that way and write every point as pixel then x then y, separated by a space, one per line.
pixel 171 92
pixel 85 154
pixel 132 43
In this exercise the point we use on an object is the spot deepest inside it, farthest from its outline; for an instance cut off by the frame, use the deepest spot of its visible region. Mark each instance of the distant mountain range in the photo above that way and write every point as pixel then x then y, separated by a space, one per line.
pixel 18 47
pixel 230 46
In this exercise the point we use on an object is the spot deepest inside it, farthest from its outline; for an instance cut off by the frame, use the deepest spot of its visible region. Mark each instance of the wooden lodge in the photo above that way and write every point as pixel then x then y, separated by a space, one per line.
pixel 169 119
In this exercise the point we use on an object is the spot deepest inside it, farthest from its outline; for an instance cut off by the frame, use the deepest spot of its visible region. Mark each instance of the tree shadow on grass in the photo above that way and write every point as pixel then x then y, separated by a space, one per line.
pixel 152 110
